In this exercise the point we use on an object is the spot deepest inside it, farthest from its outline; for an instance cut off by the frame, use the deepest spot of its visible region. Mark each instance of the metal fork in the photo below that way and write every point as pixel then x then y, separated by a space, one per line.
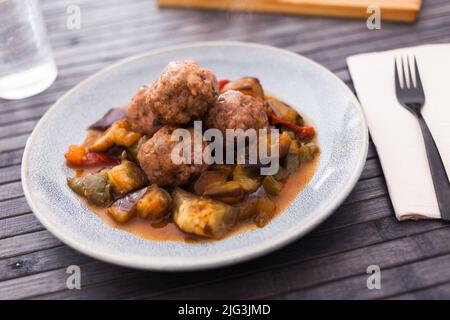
pixel 411 96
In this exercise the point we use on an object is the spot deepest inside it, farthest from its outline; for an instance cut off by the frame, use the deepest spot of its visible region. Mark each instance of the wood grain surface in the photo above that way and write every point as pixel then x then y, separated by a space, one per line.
pixel 330 262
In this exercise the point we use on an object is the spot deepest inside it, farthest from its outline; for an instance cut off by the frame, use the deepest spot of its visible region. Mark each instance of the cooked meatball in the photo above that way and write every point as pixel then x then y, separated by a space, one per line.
pixel 235 110
pixel 182 92
pixel 140 115
pixel 155 159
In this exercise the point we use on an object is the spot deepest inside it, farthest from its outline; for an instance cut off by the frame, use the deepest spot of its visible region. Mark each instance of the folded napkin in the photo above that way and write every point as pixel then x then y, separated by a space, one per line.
pixel 396 132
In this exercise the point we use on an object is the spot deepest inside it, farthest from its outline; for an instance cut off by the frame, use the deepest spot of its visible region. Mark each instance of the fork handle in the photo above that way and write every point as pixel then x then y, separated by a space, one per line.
pixel 440 179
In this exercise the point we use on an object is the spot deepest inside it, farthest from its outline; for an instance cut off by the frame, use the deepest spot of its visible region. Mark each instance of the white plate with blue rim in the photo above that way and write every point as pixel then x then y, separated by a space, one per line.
pixel 304 84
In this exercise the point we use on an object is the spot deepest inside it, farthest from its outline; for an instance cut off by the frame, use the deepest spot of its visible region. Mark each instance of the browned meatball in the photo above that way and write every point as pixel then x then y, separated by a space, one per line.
pixel 155 159
pixel 182 92
pixel 140 115
pixel 235 110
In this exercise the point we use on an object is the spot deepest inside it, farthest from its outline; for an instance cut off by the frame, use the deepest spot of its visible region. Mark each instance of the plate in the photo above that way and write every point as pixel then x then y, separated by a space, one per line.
pixel 302 83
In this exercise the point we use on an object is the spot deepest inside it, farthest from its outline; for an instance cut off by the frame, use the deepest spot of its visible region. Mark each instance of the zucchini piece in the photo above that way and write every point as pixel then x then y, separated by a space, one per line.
pixel 202 216
pixel 271 185
pixel 308 151
pixel 266 210
pixel 228 192
pixel 208 179
pixel 244 177
pixel 94 187
pixel 154 203
pixel 126 177
pixel 118 134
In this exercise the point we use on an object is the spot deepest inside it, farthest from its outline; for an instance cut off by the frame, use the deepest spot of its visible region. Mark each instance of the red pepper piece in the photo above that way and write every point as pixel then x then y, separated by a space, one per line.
pixel 78 156
pixel 304 132
pixel 222 84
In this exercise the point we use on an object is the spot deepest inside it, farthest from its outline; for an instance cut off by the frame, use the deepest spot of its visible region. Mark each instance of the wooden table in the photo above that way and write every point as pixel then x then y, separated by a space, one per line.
pixel 330 262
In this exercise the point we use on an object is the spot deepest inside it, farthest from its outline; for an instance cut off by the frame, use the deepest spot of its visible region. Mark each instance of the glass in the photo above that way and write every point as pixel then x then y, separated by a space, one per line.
pixel 27 66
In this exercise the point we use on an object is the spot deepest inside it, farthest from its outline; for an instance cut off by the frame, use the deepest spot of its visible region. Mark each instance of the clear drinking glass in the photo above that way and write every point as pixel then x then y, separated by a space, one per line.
pixel 27 66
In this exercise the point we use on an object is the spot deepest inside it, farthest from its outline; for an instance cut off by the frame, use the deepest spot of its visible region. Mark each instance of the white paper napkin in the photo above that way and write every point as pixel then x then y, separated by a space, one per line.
pixel 396 132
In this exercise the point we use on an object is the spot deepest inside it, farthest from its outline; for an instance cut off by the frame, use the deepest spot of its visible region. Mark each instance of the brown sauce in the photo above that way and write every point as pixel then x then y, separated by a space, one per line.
pixel 168 231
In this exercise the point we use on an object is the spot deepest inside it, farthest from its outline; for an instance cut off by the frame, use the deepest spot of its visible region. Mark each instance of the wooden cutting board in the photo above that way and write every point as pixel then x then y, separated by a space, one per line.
pixel 396 10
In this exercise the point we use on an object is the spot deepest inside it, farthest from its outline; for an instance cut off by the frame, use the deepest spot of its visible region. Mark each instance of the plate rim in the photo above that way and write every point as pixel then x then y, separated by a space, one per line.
pixel 169 264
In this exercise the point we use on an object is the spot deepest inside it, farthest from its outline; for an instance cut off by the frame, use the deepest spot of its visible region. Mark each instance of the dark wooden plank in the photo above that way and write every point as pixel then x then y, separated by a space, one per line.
pixel 258 277
pixel 26 243
pixel 372 169
pixel 11 157
pixel 440 291
pixel 358 212
pixel 326 270
pixel 21 115
pixel 36 284
pixel 19 225
pixel 320 244
pixel 11 190
pixel 9 174
pixel 13 207
pixel 394 281
pixel 12 143
pixel 37 262
pixel 367 189
pixel 10 130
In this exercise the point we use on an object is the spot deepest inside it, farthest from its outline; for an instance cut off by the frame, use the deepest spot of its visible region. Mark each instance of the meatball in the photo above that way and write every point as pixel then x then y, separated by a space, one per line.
pixel 182 92
pixel 235 110
pixel 139 114
pixel 155 159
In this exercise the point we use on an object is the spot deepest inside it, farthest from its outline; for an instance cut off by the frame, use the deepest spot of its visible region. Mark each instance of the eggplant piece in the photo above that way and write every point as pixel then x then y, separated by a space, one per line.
pixel 247 209
pixel 308 151
pixel 202 216
pixel 271 185
pixel 244 177
pixel 228 192
pixel 227 168
pixel 113 115
pixel 118 134
pixel 209 178
pixel 94 187
pixel 266 209
pixel 282 110
pixel 154 203
pixel 123 209
pixel 247 85
pixel 126 177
